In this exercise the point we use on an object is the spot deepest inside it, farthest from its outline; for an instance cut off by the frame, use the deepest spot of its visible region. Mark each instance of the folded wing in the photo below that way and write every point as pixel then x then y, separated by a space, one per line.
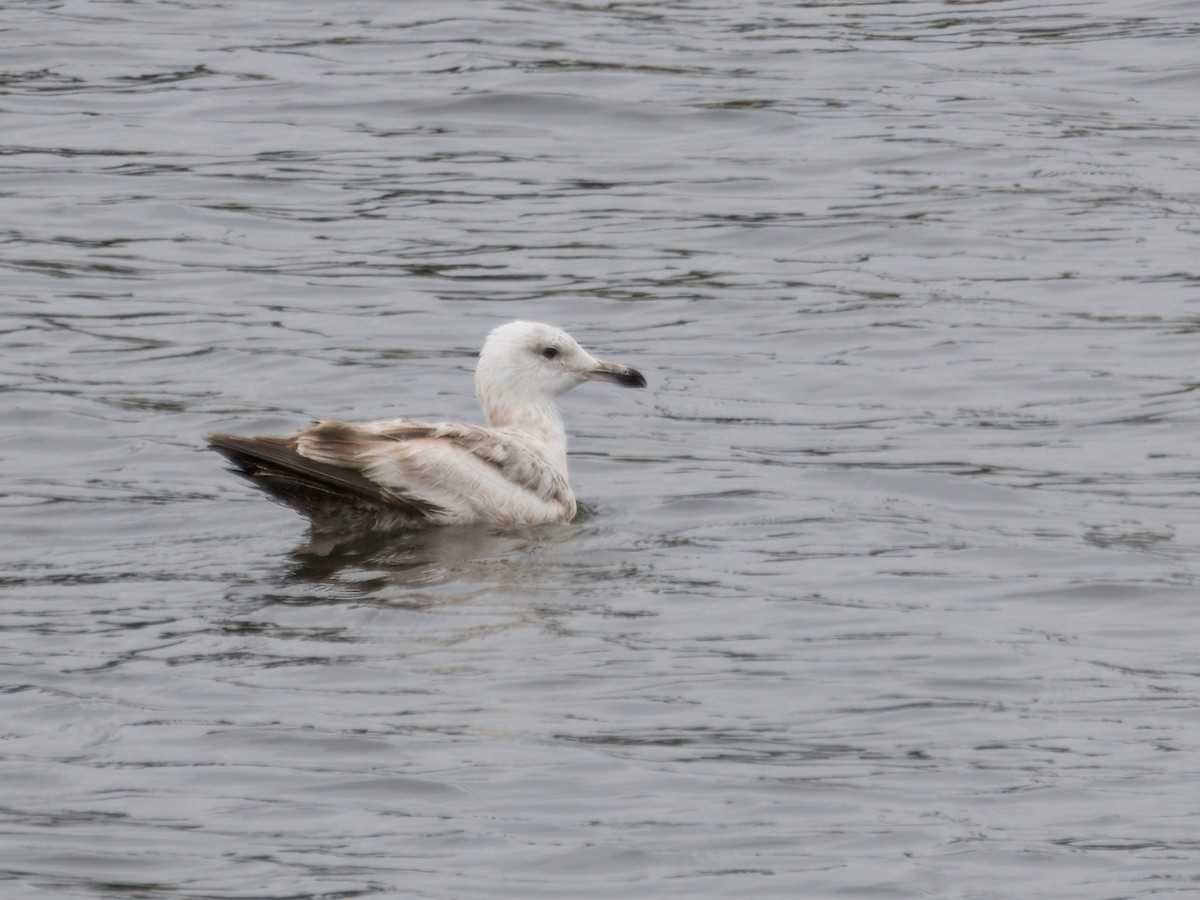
pixel 403 471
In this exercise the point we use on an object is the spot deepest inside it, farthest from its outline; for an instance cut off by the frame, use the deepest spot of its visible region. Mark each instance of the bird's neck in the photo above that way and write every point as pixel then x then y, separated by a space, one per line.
pixel 539 424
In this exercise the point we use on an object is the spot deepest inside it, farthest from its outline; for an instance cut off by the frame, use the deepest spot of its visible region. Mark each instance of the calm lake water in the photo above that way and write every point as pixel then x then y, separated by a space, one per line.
pixel 889 584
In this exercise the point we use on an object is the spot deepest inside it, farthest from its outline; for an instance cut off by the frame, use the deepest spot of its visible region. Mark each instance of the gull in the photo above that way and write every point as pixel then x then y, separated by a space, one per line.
pixel 405 472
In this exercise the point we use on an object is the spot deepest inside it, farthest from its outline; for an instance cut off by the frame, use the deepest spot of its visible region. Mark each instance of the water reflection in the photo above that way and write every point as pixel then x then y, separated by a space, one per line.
pixel 368 564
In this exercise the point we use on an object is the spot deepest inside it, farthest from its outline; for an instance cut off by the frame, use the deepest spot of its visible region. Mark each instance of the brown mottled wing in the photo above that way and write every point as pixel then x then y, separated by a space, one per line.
pixel 515 462
pixel 316 488
pixel 473 473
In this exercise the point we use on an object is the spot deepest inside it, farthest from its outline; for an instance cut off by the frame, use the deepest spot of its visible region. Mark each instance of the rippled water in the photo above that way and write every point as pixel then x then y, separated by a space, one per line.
pixel 889 584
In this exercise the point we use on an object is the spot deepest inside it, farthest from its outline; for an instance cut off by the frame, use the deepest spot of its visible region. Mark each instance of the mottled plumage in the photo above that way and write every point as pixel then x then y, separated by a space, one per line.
pixel 398 472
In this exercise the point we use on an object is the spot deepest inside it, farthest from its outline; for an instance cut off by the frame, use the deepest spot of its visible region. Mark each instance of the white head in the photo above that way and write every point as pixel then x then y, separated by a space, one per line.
pixel 524 366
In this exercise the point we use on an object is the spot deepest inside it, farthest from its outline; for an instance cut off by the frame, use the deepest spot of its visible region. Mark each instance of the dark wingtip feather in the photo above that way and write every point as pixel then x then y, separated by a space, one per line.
pixel 322 491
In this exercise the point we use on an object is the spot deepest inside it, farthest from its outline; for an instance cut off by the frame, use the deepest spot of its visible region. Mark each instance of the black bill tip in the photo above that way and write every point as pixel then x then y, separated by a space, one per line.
pixel 618 374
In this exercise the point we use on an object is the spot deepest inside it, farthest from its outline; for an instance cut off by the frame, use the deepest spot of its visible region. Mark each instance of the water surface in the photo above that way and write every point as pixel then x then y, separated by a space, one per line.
pixel 888 586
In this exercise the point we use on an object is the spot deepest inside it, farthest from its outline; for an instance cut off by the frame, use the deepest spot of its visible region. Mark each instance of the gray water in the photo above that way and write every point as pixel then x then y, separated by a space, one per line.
pixel 888 584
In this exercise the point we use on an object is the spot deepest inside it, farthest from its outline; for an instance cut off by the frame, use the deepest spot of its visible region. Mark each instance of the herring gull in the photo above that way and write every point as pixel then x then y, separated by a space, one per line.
pixel 398 472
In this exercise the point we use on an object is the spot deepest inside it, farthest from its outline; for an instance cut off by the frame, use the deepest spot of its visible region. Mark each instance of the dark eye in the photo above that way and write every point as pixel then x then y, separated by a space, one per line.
pixel 550 352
